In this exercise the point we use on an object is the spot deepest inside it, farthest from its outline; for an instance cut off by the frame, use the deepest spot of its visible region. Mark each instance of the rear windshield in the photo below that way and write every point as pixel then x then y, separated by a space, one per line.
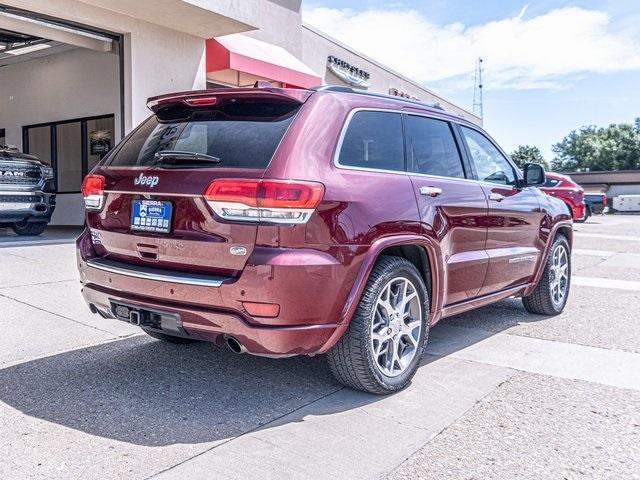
pixel 239 135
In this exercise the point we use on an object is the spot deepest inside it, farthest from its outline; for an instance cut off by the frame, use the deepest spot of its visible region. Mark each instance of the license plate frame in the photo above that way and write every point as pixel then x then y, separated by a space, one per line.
pixel 152 216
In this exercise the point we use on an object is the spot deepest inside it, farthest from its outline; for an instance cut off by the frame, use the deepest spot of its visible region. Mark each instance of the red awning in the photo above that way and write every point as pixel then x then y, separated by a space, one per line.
pixel 231 56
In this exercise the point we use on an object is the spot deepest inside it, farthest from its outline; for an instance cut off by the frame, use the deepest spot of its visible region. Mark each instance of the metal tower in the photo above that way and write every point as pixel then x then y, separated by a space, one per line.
pixel 478 108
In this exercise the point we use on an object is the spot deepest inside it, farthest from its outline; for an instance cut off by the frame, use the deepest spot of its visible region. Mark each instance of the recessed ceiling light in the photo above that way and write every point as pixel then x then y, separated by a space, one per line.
pixel 29 49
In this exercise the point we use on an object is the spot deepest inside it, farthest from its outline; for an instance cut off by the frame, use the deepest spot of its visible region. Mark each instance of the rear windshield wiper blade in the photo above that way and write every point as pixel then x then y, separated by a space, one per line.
pixel 177 155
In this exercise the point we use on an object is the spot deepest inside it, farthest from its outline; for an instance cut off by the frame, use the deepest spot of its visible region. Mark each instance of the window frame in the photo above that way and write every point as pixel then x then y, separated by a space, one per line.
pixel 516 171
pixel 84 139
pixel 466 167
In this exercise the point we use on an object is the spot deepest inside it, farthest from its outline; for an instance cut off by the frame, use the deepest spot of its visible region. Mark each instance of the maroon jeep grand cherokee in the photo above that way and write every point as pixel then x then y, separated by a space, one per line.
pixel 297 222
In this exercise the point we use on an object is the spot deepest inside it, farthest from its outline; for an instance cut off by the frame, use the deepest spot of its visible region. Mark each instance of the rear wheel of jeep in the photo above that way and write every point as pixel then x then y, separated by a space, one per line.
pixel 168 338
pixel 550 296
pixel 28 229
pixel 383 346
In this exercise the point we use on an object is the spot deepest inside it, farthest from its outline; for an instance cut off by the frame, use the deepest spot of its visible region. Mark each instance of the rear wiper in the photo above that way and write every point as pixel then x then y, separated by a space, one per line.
pixel 177 155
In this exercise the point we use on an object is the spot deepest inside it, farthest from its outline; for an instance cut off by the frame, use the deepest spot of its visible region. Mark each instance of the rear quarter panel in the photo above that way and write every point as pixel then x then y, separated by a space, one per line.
pixel 358 208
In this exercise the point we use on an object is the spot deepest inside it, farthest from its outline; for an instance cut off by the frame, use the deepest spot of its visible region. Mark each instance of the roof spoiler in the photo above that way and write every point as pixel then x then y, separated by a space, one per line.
pixel 213 96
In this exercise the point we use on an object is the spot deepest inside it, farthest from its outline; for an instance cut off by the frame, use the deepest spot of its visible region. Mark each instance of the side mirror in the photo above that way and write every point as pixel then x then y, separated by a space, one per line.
pixel 534 175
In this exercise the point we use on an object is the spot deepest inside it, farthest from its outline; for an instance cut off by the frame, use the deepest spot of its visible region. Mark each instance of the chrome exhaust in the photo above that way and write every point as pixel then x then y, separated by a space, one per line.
pixel 235 346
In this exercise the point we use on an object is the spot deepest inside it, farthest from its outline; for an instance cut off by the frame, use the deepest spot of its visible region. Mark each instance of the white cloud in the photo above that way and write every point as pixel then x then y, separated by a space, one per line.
pixel 546 51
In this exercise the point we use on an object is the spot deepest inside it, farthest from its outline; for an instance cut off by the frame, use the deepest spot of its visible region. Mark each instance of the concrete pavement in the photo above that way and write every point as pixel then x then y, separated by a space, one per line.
pixel 501 393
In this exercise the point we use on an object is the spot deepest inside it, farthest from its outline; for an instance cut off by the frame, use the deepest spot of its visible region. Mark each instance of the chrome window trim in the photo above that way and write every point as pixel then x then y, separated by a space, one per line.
pixel 435 116
pixel 343 132
pixel 145 273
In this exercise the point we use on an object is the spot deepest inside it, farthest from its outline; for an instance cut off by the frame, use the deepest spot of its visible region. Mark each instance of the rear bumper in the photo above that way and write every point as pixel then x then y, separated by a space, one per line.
pixel 578 210
pixel 211 325
pixel 310 286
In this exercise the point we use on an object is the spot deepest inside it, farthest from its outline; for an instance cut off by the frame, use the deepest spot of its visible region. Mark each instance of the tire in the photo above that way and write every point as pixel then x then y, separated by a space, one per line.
pixel 543 300
pixel 168 338
pixel 352 359
pixel 587 214
pixel 28 229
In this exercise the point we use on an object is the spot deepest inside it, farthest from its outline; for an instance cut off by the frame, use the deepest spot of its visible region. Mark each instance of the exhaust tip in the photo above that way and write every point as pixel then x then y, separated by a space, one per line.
pixel 235 346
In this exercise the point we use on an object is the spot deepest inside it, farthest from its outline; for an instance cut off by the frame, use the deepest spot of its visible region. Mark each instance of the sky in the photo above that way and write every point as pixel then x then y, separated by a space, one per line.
pixel 550 66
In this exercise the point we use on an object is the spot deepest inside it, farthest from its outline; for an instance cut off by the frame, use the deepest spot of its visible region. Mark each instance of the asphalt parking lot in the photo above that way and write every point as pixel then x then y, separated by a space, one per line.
pixel 501 393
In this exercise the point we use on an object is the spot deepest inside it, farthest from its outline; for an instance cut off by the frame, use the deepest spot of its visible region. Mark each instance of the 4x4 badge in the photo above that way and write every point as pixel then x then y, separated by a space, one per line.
pixel 150 181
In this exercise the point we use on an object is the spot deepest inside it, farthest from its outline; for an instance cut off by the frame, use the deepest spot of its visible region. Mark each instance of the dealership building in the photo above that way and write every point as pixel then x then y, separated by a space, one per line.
pixel 75 74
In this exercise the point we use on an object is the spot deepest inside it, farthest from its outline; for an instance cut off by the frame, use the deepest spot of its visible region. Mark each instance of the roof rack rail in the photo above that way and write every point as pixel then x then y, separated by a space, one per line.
pixel 343 89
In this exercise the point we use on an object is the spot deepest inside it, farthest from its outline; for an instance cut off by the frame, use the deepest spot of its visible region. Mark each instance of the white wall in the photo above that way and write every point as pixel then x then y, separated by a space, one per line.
pixel 72 84
pixel 157 59
pixel 615 190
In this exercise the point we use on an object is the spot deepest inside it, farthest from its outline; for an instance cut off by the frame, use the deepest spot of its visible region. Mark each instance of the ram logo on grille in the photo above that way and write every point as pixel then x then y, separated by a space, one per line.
pixel 11 173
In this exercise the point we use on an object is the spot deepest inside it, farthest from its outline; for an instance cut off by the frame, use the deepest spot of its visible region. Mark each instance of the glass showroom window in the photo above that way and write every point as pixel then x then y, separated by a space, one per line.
pixel 71 147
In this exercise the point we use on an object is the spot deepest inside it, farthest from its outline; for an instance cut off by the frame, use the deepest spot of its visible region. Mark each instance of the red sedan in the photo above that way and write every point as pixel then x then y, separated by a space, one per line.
pixel 565 189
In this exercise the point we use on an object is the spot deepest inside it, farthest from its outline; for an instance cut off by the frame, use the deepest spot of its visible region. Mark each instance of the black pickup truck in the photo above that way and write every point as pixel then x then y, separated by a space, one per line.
pixel 27 192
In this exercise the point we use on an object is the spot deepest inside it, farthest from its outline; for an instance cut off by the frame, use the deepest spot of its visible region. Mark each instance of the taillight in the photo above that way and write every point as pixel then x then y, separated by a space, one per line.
pixel 276 201
pixel 93 192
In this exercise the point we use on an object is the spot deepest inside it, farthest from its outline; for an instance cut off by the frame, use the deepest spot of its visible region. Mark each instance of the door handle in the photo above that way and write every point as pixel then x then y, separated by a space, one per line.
pixel 498 197
pixel 430 191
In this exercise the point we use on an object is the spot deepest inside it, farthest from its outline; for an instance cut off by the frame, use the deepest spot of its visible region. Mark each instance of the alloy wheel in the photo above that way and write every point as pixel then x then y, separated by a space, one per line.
pixel 396 326
pixel 559 275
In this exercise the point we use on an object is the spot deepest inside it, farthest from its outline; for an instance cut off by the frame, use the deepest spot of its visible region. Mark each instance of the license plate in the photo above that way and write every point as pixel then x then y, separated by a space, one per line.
pixel 151 216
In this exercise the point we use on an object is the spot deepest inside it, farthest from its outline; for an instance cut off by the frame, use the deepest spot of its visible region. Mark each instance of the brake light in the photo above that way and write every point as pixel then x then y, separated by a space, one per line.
pixel 199 101
pixel 93 191
pixel 276 201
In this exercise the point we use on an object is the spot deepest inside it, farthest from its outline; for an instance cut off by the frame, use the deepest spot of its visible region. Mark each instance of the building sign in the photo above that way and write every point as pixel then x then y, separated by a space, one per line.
pixel 399 93
pixel 345 71
pixel 100 142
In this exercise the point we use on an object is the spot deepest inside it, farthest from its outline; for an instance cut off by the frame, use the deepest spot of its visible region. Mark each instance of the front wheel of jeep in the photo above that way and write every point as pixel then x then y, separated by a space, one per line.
pixel 552 291
pixel 383 346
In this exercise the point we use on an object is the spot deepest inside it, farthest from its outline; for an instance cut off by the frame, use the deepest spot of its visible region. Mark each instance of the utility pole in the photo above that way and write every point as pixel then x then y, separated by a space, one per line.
pixel 478 107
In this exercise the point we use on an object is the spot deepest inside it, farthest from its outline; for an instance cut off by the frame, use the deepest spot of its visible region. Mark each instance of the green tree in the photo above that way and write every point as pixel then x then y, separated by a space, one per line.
pixel 528 154
pixel 616 147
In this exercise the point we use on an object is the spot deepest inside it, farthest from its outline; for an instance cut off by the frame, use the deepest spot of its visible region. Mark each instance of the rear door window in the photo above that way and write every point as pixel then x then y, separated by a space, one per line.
pixel 244 138
pixel 374 140
pixel 431 148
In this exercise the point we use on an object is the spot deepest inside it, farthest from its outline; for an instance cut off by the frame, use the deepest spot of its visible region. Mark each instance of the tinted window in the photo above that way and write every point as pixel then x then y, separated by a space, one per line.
pixel 550 183
pixel 374 140
pixel 489 162
pixel 431 148
pixel 245 137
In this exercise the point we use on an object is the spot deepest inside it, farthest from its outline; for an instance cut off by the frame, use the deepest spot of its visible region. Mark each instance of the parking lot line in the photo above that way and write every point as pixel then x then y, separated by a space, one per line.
pixel 598 282
pixel 559 359
pixel 628 238
pixel 593 253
